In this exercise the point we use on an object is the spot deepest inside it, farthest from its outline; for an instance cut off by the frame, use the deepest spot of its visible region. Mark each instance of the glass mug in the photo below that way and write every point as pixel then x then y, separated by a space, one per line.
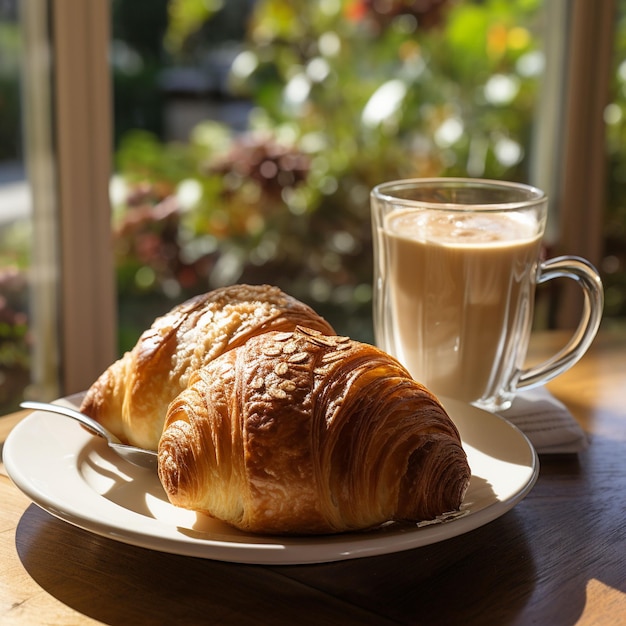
pixel 456 263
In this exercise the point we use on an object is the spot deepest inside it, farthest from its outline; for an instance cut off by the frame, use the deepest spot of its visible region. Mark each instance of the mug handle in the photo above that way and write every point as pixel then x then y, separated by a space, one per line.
pixel 587 277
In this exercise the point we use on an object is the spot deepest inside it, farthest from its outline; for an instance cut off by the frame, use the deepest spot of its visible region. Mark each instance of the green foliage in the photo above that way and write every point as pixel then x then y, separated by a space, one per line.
pixel 186 17
pixel 143 157
pixel 10 103
pixel 614 265
pixel 196 26
pixel 345 96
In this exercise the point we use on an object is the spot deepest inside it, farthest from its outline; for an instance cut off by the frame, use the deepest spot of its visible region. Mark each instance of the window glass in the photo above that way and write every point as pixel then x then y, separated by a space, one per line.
pixel 15 210
pixel 249 155
pixel 614 260
pixel 29 330
pixel 247 137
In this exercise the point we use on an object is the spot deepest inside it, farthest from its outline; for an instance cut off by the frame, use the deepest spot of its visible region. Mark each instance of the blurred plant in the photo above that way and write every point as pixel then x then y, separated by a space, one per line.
pixel 13 318
pixel 10 111
pixel 347 93
pixel 613 267
pixel 14 335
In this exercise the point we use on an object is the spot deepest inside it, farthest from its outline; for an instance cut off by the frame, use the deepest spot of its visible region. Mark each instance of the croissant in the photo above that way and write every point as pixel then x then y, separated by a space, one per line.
pixel 299 433
pixel 131 397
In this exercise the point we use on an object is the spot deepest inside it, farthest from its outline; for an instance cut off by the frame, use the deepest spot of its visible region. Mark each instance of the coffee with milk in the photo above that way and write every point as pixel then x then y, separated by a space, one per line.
pixel 456 285
pixel 456 264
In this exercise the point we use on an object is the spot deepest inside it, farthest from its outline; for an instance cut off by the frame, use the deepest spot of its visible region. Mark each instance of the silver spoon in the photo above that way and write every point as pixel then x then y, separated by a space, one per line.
pixel 137 456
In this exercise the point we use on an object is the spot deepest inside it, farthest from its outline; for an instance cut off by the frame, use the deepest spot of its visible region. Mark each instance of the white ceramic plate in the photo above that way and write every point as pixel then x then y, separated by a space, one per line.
pixel 75 477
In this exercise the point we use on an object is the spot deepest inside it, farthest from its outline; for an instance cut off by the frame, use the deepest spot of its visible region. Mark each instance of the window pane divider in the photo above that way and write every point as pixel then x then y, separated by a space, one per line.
pixel 582 193
pixel 83 141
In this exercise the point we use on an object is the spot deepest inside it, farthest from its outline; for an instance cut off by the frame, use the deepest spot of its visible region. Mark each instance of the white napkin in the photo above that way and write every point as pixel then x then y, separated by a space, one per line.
pixel 546 422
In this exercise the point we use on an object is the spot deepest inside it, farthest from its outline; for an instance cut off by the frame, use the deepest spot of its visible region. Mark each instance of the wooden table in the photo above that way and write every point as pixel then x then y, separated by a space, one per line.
pixel 559 557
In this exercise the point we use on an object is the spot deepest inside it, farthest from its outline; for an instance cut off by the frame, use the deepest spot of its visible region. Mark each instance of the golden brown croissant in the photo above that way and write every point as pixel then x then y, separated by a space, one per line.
pixel 131 397
pixel 298 432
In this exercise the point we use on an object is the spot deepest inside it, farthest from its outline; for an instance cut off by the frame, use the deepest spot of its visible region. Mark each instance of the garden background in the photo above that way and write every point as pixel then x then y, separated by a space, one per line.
pixel 248 135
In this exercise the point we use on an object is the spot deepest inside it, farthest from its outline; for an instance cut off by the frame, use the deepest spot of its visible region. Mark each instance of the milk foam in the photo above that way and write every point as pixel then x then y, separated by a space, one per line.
pixel 461 229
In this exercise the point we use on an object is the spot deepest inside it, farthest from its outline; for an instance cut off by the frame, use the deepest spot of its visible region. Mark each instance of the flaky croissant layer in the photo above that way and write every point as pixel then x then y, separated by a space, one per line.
pixel 131 397
pixel 301 432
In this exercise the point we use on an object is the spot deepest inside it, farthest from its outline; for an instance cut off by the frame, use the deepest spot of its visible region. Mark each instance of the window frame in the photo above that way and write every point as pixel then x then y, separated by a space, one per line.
pixel 69 123
pixel 581 196
pixel 84 130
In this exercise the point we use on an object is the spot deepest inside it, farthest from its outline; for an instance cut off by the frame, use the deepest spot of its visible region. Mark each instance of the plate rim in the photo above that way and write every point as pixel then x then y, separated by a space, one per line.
pixel 263 550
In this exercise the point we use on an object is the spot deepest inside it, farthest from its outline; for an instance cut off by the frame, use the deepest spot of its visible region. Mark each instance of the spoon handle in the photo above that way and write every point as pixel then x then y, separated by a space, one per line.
pixel 85 420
